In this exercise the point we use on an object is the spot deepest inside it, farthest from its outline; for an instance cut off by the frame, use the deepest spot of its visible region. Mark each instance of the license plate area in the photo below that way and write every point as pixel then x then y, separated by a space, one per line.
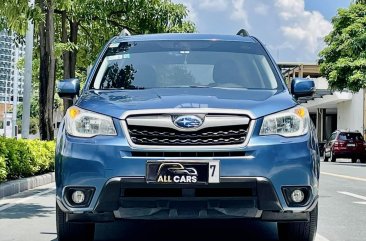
pixel 183 172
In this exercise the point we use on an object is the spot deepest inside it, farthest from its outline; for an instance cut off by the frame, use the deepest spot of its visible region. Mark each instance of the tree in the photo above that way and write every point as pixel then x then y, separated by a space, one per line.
pixel 70 33
pixel 361 1
pixel 47 70
pixel 343 60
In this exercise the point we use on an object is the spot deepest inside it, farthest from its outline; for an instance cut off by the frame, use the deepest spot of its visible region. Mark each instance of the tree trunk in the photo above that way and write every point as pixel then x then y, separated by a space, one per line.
pixel 43 77
pixel 52 68
pixel 74 27
pixel 47 71
pixel 66 58
pixel 66 54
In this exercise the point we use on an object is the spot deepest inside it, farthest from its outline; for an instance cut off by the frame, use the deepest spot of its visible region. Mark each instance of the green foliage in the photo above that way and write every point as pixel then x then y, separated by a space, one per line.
pixel 343 61
pixel 42 154
pixel 17 160
pixel 33 125
pixel 3 171
pixel 24 158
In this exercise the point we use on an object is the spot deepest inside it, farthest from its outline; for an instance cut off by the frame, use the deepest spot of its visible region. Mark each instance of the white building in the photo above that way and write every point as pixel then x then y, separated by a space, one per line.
pixel 8 125
pixel 329 110
pixel 11 79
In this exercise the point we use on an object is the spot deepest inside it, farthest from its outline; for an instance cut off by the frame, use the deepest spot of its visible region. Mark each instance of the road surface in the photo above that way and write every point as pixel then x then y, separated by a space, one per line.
pixel 342 216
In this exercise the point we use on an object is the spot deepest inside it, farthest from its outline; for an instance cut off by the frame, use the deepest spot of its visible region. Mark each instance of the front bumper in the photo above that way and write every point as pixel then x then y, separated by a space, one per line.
pixel 349 153
pixel 133 198
pixel 105 163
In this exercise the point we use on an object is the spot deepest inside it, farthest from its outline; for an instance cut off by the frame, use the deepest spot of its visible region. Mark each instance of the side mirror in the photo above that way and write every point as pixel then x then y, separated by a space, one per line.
pixel 301 87
pixel 68 88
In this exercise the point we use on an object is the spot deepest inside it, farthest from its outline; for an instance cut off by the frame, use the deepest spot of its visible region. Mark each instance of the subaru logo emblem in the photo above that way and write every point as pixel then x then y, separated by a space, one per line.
pixel 187 121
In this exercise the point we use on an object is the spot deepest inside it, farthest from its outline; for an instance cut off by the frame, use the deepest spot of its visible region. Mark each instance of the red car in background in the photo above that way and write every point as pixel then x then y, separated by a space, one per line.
pixel 345 144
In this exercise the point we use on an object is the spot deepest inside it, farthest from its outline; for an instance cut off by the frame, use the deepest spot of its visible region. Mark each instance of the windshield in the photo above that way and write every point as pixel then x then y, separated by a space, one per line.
pixel 163 64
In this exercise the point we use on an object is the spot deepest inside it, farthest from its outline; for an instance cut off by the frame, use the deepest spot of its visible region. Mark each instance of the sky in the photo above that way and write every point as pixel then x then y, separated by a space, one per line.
pixel 292 30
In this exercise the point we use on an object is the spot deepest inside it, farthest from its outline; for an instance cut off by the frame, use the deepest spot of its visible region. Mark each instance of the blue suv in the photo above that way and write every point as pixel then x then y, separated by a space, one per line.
pixel 186 126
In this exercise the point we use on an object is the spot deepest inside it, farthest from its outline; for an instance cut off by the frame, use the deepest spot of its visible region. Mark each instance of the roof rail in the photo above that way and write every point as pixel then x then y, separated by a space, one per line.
pixel 125 32
pixel 243 33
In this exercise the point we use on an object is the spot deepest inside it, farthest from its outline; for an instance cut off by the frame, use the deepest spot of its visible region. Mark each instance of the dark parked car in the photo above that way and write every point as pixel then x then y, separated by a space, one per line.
pixel 186 126
pixel 345 144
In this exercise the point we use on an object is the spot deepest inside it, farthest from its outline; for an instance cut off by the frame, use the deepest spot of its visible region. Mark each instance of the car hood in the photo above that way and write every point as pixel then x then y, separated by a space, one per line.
pixel 115 102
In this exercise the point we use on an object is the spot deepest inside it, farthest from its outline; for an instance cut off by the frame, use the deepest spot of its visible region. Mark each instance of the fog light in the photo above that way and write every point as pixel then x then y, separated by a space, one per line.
pixel 78 197
pixel 297 196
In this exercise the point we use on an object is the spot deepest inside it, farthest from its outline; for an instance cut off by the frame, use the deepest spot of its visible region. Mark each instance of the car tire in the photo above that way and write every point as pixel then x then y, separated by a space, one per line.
pixel 354 160
pixel 332 157
pixel 72 231
pixel 325 158
pixel 363 160
pixel 299 231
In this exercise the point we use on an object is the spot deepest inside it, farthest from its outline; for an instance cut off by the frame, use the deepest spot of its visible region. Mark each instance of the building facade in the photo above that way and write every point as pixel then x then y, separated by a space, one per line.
pixel 11 78
pixel 329 110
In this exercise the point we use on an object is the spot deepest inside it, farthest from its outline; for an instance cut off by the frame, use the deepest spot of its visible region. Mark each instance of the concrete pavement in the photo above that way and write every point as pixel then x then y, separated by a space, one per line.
pixel 341 217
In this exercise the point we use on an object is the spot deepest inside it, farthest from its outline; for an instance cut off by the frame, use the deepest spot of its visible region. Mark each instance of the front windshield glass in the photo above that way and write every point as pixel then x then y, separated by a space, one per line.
pixel 164 64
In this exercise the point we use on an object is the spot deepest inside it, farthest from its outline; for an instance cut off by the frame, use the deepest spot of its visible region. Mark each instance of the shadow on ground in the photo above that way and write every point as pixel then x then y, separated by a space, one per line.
pixel 28 193
pixel 27 211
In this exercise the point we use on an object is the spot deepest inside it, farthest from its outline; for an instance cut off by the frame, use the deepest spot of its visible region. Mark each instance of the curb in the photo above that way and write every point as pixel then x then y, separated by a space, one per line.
pixel 23 184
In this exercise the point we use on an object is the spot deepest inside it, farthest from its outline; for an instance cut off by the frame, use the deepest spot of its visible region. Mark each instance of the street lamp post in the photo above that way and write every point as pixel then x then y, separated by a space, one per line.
pixel 27 93
pixel 15 95
pixel 5 109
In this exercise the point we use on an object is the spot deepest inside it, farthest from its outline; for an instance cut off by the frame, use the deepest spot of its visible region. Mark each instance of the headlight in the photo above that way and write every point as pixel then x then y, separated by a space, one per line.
pixel 289 123
pixel 83 123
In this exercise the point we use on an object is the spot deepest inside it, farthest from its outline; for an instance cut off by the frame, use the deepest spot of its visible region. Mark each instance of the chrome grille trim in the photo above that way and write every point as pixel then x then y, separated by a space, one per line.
pixel 193 110
pixel 166 121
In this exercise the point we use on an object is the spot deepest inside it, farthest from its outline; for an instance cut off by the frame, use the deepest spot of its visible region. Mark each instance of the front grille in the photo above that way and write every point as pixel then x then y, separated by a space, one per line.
pixel 221 135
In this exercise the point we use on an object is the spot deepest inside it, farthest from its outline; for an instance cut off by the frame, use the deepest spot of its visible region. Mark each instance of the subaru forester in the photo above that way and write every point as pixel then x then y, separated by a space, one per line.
pixel 186 126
